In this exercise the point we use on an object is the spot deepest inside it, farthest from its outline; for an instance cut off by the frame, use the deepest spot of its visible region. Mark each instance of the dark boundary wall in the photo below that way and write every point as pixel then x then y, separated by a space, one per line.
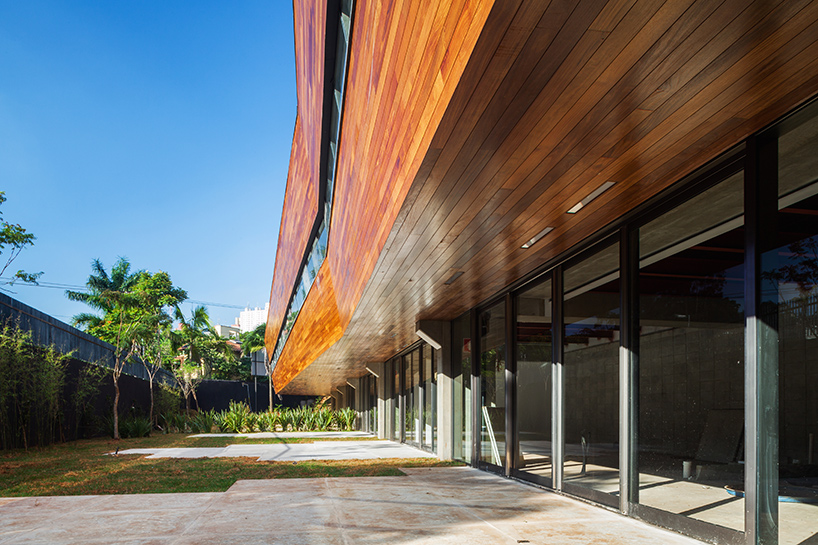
pixel 47 331
pixel 217 394
pixel 134 400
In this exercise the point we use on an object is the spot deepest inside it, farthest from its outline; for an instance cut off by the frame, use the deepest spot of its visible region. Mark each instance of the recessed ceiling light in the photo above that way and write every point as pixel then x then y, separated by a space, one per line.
pixel 593 195
pixel 537 237
pixel 453 277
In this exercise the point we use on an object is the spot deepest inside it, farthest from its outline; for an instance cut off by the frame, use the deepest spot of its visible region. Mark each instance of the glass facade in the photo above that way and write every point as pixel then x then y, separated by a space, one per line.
pixel 397 399
pixel 790 304
pixel 534 381
pixel 591 371
pixel 493 385
pixel 429 399
pixel 413 397
pixel 691 365
pixel 461 392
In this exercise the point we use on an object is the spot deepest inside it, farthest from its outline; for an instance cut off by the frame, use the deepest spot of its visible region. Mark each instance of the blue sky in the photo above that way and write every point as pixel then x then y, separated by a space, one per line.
pixel 155 130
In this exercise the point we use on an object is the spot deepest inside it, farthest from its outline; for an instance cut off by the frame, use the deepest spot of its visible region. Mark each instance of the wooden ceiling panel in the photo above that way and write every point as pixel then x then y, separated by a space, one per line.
pixel 556 99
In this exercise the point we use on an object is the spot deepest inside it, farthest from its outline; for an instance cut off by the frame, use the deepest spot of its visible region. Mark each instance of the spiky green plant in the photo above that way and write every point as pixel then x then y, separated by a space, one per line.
pixel 287 420
pixel 346 419
pixel 203 421
pixel 323 419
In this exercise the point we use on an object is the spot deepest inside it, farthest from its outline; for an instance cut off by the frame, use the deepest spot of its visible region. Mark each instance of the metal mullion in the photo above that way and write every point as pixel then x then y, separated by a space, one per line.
pixel 761 346
pixel 511 383
pixel 557 379
pixel 629 369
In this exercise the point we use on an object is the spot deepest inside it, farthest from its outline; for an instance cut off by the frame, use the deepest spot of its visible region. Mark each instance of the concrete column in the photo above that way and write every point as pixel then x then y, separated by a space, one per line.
pixel 438 334
pixel 353 388
pixel 380 392
pixel 445 392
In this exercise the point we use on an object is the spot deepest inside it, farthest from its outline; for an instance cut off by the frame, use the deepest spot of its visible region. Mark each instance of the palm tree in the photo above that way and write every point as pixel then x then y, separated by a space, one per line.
pixel 111 295
pixel 102 290
pixel 133 306
pixel 253 341
pixel 193 339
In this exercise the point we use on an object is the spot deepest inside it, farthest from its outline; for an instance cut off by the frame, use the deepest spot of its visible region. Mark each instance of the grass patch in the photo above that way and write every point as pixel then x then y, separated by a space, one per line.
pixel 80 467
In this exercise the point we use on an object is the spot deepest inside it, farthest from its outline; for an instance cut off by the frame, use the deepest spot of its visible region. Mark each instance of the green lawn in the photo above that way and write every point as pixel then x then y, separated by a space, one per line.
pixel 81 467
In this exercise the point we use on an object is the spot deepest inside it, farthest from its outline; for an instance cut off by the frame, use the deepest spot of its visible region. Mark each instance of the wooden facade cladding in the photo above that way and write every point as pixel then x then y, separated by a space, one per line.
pixel 301 196
pixel 406 60
pixel 556 98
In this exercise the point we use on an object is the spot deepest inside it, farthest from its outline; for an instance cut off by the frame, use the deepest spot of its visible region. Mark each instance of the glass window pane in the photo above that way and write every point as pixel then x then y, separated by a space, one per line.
pixel 691 294
pixel 396 400
pixel 493 385
pixel 534 380
pixel 791 271
pixel 373 404
pixel 461 396
pixel 591 372
pixel 429 398
pixel 409 416
pixel 416 398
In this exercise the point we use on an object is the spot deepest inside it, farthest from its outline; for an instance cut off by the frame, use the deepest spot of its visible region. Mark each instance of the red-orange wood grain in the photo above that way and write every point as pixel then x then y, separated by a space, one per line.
pixel 406 61
pixel 301 196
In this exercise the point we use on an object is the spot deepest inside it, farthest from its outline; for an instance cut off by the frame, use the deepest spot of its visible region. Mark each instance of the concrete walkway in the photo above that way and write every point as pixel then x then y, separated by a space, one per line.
pixel 429 506
pixel 293 452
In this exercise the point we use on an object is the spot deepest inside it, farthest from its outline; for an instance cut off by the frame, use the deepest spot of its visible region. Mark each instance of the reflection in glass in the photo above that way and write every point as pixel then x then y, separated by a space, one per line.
pixel 416 398
pixel 373 405
pixel 461 396
pixel 397 428
pixel 493 385
pixel 534 380
pixel 591 372
pixel 791 298
pixel 691 294
pixel 429 399
pixel 409 407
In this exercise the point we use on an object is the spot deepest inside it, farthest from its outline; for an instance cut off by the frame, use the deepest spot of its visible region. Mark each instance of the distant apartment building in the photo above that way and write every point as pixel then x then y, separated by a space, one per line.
pixel 249 319
pixel 228 331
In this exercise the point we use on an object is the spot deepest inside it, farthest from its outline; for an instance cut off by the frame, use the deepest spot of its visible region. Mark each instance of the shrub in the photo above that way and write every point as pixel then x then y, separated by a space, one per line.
pixel 203 421
pixel 134 426
pixel 31 383
pixel 323 419
pixel 174 423
pixel 89 379
pixel 166 400
pixel 346 419
pixel 270 420
pixel 236 418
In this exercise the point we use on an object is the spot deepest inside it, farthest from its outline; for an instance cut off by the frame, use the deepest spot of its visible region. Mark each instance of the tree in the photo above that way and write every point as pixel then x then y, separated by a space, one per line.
pixel 156 295
pixel 253 341
pixel 15 238
pixel 198 346
pixel 134 313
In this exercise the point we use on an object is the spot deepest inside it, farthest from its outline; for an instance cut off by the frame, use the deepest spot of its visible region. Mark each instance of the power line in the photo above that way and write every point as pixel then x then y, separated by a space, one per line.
pixel 84 289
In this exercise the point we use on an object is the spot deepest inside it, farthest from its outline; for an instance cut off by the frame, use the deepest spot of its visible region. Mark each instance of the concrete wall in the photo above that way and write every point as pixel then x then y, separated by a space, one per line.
pixel 47 331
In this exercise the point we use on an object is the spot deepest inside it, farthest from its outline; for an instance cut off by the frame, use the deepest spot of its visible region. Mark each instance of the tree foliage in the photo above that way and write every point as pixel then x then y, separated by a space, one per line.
pixel 135 313
pixel 13 239
pixel 199 351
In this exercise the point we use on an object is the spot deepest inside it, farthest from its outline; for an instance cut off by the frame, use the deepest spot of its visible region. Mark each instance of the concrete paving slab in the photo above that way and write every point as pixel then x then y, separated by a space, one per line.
pixel 427 506
pixel 293 452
